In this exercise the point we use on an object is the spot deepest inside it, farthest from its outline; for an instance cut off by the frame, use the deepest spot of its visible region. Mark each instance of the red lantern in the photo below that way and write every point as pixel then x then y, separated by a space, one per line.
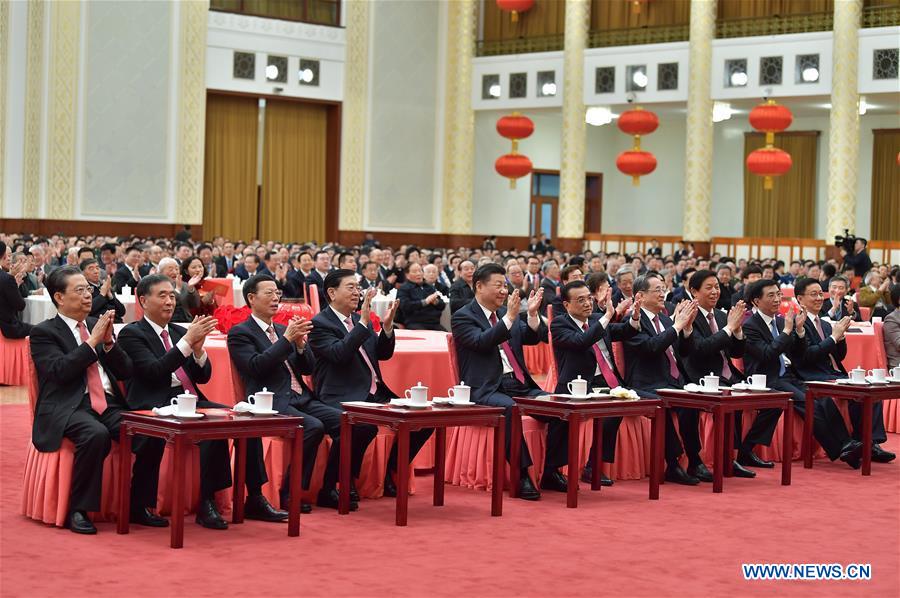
pixel 769 162
pixel 513 166
pixel 636 163
pixel 638 121
pixel 515 6
pixel 515 127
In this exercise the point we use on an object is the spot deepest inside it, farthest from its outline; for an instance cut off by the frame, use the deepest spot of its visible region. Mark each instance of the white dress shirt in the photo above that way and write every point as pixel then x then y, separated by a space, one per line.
pixel 73 327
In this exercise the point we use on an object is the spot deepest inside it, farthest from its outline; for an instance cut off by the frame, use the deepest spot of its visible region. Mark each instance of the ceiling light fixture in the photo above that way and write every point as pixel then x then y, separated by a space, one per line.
pixel 597 116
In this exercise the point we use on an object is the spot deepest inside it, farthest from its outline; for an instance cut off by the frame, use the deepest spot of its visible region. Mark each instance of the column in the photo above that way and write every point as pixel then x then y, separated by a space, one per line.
pixel 459 119
pixel 354 116
pixel 191 111
pixel 34 101
pixel 571 172
pixel 843 140
pixel 699 133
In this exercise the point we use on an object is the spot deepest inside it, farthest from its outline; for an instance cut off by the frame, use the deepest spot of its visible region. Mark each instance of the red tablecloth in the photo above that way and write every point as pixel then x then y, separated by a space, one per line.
pixel 537 358
pixel 864 348
pixel 14 358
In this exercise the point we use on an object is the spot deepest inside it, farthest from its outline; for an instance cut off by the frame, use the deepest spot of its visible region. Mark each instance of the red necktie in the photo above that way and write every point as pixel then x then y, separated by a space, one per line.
pixel 726 369
pixel 295 384
pixel 510 356
pixel 94 383
pixel 373 387
pixel 673 367
pixel 822 337
pixel 179 373
pixel 605 368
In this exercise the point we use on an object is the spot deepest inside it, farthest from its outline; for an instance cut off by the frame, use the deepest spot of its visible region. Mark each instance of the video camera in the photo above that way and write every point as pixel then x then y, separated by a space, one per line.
pixel 845 241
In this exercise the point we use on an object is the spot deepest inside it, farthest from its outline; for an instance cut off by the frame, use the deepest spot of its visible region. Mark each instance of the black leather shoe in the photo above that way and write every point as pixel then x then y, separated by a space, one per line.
pixel 587 474
pixel 146 517
pixel 527 491
pixel 331 499
pixel 354 495
pixel 739 471
pixel 879 455
pixel 257 507
pixel 390 489
pixel 553 480
pixel 751 460
pixel 851 453
pixel 285 500
pixel 208 516
pixel 700 472
pixel 678 475
pixel 80 523
pixel 605 481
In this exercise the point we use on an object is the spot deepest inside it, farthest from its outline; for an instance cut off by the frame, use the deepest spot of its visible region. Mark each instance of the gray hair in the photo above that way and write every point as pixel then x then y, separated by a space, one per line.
pixel 840 278
pixel 547 265
pixel 867 280
pixel 623 271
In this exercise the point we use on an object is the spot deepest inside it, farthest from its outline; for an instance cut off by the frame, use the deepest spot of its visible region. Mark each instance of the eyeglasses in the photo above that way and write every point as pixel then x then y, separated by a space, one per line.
pixel 82 290
pixel 270 293
pixel 818 295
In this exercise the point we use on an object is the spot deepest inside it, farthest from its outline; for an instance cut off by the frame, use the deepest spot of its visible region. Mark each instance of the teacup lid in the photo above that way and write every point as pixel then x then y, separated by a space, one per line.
pixel 187 395
pixel 419 385
pixel 462 384
pixel 858 368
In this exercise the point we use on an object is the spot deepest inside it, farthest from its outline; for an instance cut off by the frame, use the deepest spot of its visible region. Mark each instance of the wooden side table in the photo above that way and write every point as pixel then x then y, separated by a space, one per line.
pixel 405 420
pixel 576 413
pixel 723 406
pixel 216 425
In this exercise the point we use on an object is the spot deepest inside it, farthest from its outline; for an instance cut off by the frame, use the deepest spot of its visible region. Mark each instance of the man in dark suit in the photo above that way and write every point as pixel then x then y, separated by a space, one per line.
pixel 104 299
pixel 11 300
pixel 370 278
pixel 347 353
pixel 826 348
pixel 226 262
pixel 213 268
pixel 582 346
pixel 127 275
pixel 276 357
pixel 726 291
pixel 78 365
pixel 624 287
pixel 461 291
pixel 773 346
pixel 717 340
pixel 432 275
pixel 318 274
pixel 749 275
pixel 653 360
pixel 169 361
pixel 550 284
pixel 420 304
pixel 837 305
pixel 489 342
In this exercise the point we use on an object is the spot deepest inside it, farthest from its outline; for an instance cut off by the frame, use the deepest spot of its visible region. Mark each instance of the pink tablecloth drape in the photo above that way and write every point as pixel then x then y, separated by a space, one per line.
pixel 537 359
pixel 14 360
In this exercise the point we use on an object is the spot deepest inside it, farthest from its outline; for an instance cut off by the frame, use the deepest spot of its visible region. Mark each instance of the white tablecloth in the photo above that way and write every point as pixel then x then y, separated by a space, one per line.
pixel 39 308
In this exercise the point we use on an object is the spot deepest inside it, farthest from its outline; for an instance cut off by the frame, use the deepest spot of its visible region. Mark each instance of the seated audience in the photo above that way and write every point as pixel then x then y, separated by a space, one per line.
pixel 13 302
pixel 420 303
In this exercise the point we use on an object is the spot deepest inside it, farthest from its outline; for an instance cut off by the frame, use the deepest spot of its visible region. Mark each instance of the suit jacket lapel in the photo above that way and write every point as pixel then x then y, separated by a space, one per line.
pixel 156 343
pixel 66 334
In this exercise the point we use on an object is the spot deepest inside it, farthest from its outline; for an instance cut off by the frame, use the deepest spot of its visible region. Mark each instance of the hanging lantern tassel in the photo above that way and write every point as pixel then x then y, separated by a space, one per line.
pixel 515 7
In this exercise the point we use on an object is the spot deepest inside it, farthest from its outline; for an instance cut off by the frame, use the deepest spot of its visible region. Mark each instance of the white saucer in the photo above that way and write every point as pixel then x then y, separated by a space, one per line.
pixel 742 386
pixel 409 403
pixel 893 380
pixel 852 382
pixel 700 389
pixel 262 412
pixel 871 380
pixel 455 403
pixel 568 397
pixel 194 415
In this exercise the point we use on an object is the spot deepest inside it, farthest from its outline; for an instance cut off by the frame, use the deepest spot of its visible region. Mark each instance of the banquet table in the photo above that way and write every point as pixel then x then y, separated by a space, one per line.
pixel 39 308
pixel 862 347
pixel 419 356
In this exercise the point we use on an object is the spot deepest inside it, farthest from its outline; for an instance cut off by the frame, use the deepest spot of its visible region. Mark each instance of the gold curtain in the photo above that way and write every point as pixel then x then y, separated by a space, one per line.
pixel 620 14
pixel 886 185
pixel 546 17
pixel 294 156
pixel 229 178
pixel 788 209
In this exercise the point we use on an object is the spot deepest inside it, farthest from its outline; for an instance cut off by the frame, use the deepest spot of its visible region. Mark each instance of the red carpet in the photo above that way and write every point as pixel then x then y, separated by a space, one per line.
pixel 689 543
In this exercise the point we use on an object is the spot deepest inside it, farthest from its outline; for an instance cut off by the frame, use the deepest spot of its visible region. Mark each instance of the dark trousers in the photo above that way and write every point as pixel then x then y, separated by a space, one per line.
pixel 314 430
pixel 878 433
pixel 761 431
pixel 828 425
pixel 215 466
pixel 610 434
pixel 362 435
pixel 92 435
pixel 557 430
